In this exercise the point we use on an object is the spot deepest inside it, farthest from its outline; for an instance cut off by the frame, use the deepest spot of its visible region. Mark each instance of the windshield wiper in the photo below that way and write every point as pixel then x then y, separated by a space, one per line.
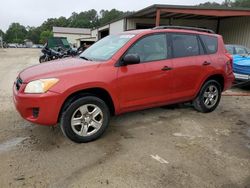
pixel 85 58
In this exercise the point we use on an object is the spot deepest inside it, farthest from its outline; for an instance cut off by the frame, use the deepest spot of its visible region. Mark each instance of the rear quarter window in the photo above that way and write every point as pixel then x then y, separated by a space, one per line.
pixel 211 43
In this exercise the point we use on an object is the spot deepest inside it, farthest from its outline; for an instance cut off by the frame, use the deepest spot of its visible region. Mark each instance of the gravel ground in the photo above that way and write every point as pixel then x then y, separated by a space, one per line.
pixel 171 146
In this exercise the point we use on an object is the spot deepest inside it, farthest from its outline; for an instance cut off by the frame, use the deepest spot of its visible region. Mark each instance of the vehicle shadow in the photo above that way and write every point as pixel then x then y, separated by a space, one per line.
pixel 246 88
pixel 178 106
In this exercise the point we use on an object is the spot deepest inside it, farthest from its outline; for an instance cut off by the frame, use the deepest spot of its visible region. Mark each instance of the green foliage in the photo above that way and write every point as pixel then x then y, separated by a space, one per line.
pixel 210 5
pixel 107 16
pixel 34 34
pixel 59 22
pixel 2 34
pixel 16 33
pixel 227 3
pixel 45 35
pixel 242 3
pixel 87 19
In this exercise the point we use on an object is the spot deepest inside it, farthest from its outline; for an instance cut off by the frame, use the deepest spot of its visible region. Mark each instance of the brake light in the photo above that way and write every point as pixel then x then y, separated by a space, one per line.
pixel 230 57
pixel 229 63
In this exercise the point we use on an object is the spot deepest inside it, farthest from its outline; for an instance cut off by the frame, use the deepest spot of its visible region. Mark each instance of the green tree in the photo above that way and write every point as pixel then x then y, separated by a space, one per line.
pixel 210 5
pixel 44 36
pixel 59 22
pixel 107 16
pixel 33 34
pixel 241 3
pixel 16 33
pixel 87 19
pixel 227 3
pixel 2 34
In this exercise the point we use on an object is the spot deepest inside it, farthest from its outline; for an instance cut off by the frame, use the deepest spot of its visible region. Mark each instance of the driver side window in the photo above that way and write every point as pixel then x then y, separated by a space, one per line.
pixel 150 48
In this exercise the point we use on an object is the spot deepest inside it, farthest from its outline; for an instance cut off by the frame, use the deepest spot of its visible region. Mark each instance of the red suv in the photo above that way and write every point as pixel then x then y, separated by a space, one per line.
pixel 130 71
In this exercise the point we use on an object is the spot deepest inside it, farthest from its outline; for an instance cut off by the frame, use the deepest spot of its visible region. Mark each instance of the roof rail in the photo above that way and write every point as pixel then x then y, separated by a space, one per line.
pixel 184 27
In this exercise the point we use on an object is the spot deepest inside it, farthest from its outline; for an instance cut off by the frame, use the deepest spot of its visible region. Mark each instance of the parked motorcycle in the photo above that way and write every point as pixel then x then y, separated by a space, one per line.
pixel 60 52
pixel 50 54
pixel 68 52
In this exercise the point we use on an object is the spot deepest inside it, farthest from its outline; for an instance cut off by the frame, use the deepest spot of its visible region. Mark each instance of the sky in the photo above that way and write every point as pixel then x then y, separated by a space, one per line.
pixel 35 12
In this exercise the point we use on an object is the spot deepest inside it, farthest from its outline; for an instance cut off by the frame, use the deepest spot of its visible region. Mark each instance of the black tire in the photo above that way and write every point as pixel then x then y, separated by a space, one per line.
pixel 199 102
pixel 42 59
pixel 65 123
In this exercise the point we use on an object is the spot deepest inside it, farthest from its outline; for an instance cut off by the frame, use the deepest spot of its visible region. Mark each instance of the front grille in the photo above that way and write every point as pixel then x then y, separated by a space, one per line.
pixel 19 82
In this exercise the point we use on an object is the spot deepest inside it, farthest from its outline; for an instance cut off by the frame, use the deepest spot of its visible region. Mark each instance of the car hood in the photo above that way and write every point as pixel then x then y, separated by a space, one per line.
pixel 57 68
pixel 241 60
pixel 241 64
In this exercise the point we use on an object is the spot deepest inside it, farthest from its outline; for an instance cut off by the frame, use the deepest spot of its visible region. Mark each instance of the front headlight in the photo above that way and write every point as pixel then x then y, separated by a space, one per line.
pixel 40 86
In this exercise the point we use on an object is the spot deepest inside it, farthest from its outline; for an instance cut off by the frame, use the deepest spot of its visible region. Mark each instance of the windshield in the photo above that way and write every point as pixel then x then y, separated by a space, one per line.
pixel 105 48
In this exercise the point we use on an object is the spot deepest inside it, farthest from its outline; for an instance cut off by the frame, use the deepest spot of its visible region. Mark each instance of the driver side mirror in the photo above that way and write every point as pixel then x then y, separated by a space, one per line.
pixel 131 59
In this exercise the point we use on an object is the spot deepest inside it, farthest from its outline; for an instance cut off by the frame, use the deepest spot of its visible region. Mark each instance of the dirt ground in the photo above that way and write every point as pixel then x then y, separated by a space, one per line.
pixel 160 147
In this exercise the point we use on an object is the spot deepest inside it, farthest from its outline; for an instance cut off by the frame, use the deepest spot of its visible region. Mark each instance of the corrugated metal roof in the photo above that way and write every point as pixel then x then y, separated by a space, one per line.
pixel 194 7
pixel 184 12
pixel 173 10
pixel 71 30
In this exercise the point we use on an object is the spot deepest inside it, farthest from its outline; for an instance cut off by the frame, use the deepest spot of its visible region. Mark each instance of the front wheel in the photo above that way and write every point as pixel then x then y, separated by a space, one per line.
pixel 85 120
pixel 208 97
pixel 43 59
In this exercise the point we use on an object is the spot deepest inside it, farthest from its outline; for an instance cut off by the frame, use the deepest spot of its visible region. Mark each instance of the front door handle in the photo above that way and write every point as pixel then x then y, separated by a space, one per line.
pixel 206 63
pixel 166 68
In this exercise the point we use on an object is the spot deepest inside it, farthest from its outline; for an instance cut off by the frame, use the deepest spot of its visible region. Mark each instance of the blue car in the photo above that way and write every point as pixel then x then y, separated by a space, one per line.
pixel 241 63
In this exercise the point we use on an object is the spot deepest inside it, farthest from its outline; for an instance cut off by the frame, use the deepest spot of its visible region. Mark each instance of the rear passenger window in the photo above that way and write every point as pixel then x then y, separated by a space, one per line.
pixel 185 45
pixel 211 43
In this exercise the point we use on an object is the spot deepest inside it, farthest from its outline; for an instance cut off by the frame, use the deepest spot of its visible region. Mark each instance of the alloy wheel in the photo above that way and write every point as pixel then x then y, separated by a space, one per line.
pixel 210 96
pixel 87 120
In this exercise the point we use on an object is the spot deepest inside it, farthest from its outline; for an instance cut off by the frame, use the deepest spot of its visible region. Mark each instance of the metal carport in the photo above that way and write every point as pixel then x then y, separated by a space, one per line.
pixel 232 23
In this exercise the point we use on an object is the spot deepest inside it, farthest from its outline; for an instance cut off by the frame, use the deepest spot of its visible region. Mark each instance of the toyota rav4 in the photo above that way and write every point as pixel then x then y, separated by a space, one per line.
pixel 125 72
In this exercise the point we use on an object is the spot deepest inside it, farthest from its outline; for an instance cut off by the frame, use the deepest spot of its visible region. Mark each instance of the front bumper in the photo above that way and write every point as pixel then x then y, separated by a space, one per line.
pixel 41 109
pixel 242 79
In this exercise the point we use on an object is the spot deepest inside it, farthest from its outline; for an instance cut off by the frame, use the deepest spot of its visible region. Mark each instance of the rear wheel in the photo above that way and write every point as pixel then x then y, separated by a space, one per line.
pixel 208 97
pixel 85 120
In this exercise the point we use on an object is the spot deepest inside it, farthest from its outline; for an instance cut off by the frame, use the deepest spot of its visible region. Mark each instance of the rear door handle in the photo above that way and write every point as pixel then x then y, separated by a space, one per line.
pixel 206 63
pixel 166 68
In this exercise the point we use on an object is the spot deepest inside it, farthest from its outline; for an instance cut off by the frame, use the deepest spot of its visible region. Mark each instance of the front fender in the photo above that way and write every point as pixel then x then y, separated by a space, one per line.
pixel 94 85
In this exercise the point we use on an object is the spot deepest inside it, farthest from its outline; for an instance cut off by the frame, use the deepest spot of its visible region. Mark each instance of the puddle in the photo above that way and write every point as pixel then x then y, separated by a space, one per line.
pixel 180 135
pixel 186 135
pixel 9 144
